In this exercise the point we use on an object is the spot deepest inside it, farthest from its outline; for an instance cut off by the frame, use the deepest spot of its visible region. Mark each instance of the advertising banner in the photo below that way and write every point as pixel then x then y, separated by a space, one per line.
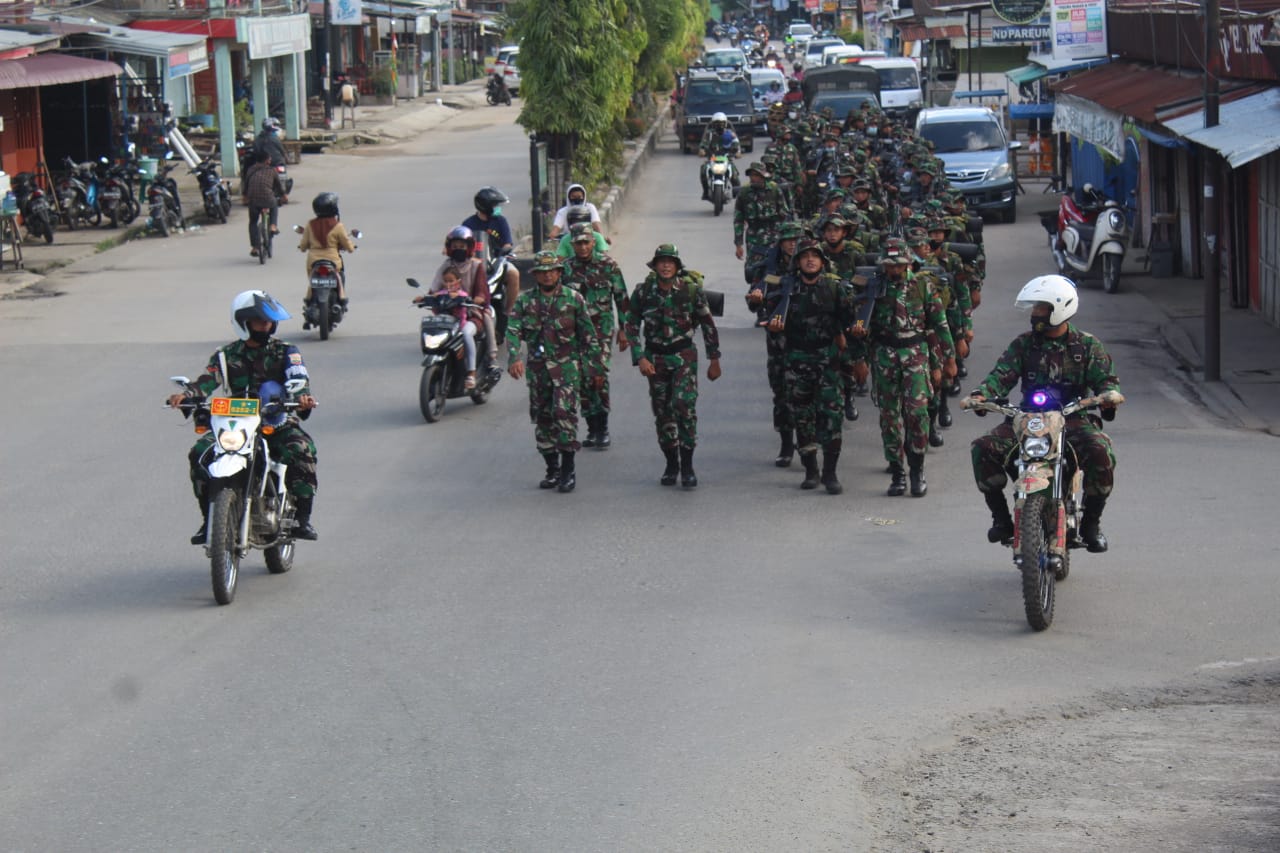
pixel 1089 122
pixel 1079 29
pixel 345 13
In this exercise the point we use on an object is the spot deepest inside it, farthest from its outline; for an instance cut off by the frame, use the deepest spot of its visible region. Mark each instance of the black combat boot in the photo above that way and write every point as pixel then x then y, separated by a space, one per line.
pixel 1001 522
pixel 672 470
pixel 590 440
pixel 898 483
pixel 850 409
pixel 810 463
pixel 553 471
pixel 935 437
pixel 1091 524
pixel 302 528
pixel 915 463
pixel 688 479
pixel 829 459
pixel 961 370
pixel 944 413
pixel 787 450
pixel 567 477
pixel 860 389
pixel 202 535
pixel 602 431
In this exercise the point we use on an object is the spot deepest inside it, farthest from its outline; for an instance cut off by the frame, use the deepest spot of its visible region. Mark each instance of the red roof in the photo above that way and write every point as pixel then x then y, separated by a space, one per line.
pixel 52 69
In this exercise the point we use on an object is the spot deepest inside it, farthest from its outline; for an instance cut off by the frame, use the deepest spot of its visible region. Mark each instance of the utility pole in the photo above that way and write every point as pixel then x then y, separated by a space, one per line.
pixel 1212 285
pixel 326 83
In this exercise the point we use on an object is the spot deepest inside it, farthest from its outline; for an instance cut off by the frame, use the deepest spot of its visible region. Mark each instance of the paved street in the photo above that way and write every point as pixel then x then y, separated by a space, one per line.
pixel 465 662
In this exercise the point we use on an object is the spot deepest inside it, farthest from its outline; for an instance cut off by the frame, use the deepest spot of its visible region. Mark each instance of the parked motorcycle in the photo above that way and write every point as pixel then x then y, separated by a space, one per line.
pixel 162 198
pixel 443 365
pixel 117 199
pixel 78 194
pixel 34 206
pixel 1048 491
pixel 496 91
pixel 720 185
pixel 249 506
pixel 213 190
pixel 324 311
pixel 1088 236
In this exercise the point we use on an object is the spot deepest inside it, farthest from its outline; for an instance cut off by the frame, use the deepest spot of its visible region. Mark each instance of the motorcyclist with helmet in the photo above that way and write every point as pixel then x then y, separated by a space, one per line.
pixel 793 95
pixel 718 138
pixel 460 248
pixel 269 140
pixel 323 239
pixel 1052 354
pixel 255 358
pixel 489 221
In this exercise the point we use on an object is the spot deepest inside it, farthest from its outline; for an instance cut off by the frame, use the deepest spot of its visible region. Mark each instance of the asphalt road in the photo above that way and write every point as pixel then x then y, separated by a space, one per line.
pixel 465 662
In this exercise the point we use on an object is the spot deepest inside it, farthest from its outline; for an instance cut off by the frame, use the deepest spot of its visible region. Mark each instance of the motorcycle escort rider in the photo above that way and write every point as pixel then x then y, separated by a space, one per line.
pixel 324 239
pixel 1052 354
pixel 488 220
pixel 718 138
pixel 255 358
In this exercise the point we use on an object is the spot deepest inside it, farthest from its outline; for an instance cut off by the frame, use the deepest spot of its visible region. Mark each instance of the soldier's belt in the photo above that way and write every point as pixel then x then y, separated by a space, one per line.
pixel 909 340
pixel 810 346
pixel 671 348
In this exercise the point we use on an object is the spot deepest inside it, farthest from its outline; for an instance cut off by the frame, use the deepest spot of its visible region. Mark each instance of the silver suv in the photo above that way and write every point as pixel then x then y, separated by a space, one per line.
pixel 971 144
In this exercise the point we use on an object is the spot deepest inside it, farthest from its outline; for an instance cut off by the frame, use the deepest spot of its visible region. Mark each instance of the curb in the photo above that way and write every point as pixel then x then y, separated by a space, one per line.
pixel 1218 394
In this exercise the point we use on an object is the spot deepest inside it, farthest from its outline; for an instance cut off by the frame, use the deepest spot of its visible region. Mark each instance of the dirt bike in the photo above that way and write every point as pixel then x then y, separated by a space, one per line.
pixel 249 506
pixel 1048 491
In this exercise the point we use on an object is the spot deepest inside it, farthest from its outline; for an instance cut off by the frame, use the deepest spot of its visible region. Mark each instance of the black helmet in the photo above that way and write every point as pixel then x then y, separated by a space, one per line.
pixel 460 232
pixel 489 198
pixel 270 123
pixel 325 204
pixel 577 213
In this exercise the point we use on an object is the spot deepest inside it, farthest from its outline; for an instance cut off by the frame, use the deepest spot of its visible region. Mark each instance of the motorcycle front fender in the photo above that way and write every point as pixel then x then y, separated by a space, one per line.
pixel 227 465
pixel 433 358
pixel 1035 477
pixel 1111 247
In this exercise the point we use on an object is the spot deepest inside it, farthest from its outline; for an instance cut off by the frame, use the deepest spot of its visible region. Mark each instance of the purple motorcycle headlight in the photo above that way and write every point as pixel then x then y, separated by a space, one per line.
pixel 1039 398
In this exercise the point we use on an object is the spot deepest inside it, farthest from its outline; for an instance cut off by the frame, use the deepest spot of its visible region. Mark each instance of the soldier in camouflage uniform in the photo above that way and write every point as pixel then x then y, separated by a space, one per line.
pixel 599 280
pixel 904 314
pixel 790 167
pixel 761 207
pixel 564 347
pixel 766 286
pixel 939 268
pixel 1053 355
pixel 668 305
pixel 843 258
pixel 812 309
pixel 254 359
pixel 874 212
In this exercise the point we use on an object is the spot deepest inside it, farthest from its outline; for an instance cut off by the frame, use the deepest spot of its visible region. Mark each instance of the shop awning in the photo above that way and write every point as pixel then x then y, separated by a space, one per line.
pixel 1026 74
pixel 1248 128
pixel 183 54
pixel 1133 89
pixel 53 69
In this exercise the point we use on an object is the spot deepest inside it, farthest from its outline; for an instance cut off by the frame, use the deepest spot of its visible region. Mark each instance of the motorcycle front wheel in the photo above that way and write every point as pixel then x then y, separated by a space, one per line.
pixel 717 199
pixel 112 217
pixel 433 393
pixel 224 539
pixel 1036 522
pixel 1111 272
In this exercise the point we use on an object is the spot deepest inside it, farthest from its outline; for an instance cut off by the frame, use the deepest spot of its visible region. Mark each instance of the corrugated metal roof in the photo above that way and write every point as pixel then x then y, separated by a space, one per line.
pixel 1133 89
pixel 141 42
pixel 1248 128
pixel 11 39
pixel 52 69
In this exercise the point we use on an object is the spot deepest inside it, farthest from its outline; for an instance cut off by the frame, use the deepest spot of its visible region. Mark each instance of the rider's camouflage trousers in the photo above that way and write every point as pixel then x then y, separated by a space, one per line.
pixel 816 400
pixel 1092 446
pixel 673 394
pixel 289 444
pixel 553 404
pixel 902 391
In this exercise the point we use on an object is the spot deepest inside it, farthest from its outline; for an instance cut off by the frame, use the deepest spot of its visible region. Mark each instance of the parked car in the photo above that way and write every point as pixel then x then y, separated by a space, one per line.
pixel 977 156
pixel 505 64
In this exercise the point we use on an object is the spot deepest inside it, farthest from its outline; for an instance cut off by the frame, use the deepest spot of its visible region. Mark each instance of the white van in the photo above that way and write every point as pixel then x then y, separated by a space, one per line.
pixel 836 52
pixel 900 91
pixel 813 51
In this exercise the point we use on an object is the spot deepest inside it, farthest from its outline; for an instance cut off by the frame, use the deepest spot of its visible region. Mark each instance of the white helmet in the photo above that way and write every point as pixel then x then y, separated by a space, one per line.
pixel 719 117
pixel 255 305
pixel 1057 290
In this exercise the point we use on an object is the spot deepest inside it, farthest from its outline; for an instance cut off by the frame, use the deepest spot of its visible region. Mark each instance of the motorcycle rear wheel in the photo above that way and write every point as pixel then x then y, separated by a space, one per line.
pixel 1037 576
pixel 130 212
pixel 46 225
pixel 162 224
pixel 224 551
pixel 433 393
pixel 1111 273
pixel 324 313
pixel 112 218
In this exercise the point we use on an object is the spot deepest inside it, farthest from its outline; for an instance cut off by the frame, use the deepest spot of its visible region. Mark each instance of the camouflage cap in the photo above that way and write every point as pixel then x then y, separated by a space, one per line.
pixel 835 193
pixel 790 230
pixel 936 224
pixel 809 245
pixel 666 250
pixel 917 237
pixel 927 168
pixel 833 219
pixel 894 251
pixel 546 262
pixel 862 184
pixel 758 168
pixel 582 232
pixel 847 171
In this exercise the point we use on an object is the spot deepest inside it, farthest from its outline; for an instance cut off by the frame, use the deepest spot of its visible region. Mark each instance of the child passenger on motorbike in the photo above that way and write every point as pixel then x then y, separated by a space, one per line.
pixel 323 239
pixel 459 245
pixel 452 280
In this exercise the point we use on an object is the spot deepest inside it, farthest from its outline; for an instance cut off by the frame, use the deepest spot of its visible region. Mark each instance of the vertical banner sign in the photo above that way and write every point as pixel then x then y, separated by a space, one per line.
pixel 345 13
pixel 1079 29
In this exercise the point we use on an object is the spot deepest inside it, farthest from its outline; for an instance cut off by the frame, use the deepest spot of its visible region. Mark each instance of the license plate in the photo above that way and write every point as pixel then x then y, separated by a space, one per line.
pixel 233 407
pixel 323 282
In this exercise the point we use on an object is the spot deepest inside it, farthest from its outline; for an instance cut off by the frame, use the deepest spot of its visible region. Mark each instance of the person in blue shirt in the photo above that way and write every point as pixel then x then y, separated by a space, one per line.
pixel 489 221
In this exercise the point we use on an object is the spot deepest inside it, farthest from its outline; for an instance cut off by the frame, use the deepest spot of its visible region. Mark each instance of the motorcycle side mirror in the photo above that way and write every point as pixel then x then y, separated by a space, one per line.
pixel 412 282
pixel 293 386
pixel 355 232
pixel 297 229
pixel 180 380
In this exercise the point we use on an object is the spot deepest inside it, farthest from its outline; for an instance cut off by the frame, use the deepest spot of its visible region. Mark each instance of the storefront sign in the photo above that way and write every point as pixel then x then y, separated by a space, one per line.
pixel 1079 29
pixel 1089 122
pixel 1029 33
pixel 188 60
pixel 275 36
pixel 1018 11
pixel 345 13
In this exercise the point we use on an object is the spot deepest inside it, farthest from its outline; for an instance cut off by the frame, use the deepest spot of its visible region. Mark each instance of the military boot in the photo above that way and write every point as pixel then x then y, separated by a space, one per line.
pixel 672 470
pixel 935 437
pixel 898 483
pixel 915 463
pixel 552 479
pixel 602 431
pixel 302 528
pixel 567 477
pixel 850 408
pixel 944 413
pixel 829 459
pixel 1001 522
pixel 1091 524
pixel 961 370
pixel 810 462
pixel 201 536
pixel 688 479
pixel 592 432
pixel 787 450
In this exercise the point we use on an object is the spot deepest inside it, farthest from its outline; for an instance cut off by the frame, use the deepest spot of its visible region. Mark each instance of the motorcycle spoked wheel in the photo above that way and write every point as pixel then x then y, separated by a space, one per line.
pixel 324 313
pixel 717 199
pixel 1037 577
pixel 433 392
pixel 91 215
pixel 1111 273
pixel 279 557
pixel 224 202
pixel 224 552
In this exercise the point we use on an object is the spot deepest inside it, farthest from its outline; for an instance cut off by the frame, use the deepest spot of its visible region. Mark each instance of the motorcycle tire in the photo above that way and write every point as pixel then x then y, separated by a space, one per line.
pixel 1033 546
pixel 162 224
pixel 45 223
pixel 71 218
pixel 224 535
pixel 433 392
pixel 112 218
pixel 717 200
pixel 279 557
pixel 225 205
pixel 1111 273
pixel 324 313
pixel 488 96
pixel 130 212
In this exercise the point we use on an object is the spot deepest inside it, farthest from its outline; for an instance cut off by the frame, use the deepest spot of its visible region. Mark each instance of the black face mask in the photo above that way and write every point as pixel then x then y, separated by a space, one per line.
pixel 935 244
pixel 458 255
pixel 1040 325
pixel 576 200
pixel 260 338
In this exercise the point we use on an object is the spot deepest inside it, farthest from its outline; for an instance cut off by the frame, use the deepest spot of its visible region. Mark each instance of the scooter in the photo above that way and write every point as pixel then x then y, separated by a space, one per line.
pixel 444 350
pixel 213 190
pixel 495 270
pixel 496 91
pixel 163 201
pixel 34 206
pixel 1087 236
pixel 78 194
pixel 325 311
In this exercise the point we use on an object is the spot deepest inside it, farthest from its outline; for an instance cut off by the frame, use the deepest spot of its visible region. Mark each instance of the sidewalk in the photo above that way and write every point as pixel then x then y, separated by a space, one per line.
pixel 388 124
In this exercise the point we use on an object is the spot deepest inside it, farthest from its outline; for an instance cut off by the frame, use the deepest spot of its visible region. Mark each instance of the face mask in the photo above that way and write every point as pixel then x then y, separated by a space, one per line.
pixel 1040 325
pixel 259 337
pixel 935 244
pixel 576 200
pixel 497 211
pixel 458 255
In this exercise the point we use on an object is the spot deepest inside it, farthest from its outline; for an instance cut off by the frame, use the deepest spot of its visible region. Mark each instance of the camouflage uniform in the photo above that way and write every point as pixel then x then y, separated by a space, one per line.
pixel 600 282
pixel 1078 364
pixel 844 260
pixel 768 280
pixel 247 368
pixel 564 349
pixel 758 212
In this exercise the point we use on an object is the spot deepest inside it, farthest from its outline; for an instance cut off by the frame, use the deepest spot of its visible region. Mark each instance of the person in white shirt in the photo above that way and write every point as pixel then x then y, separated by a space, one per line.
pixel 576 209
